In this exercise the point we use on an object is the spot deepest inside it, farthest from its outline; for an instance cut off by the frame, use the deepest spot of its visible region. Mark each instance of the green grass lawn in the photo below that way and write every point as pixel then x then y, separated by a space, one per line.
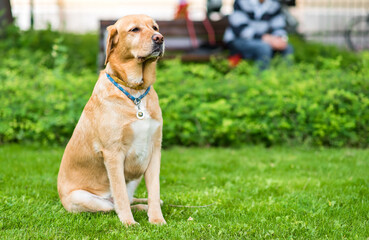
pixel 281 192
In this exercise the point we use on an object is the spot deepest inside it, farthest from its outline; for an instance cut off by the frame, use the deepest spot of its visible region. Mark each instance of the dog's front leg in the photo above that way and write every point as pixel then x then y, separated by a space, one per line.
pixel 153 188
pixel 114 164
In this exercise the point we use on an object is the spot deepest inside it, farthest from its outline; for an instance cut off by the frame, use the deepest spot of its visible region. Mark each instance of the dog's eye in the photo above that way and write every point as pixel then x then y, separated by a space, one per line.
pixel 136 29
pixel 155 28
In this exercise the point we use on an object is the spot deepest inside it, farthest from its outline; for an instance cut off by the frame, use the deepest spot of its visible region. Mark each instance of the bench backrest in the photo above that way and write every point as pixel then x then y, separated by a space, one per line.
pixel 175 33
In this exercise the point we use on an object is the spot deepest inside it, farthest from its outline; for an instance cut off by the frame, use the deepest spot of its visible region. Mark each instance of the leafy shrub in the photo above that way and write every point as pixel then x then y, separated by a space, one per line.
pixel 284 105
pixel 42 107
pixel 319 101
pixel 310 52
pixel 80 50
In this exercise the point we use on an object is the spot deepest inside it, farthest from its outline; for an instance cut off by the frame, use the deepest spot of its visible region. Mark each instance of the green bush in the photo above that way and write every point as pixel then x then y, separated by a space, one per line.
pixel 44 106
pixel 80 50
pixel 296 104
pixel 321 101
pixel 310 52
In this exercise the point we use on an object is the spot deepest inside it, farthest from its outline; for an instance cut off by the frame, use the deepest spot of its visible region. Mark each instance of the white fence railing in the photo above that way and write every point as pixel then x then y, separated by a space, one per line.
pixel 322 20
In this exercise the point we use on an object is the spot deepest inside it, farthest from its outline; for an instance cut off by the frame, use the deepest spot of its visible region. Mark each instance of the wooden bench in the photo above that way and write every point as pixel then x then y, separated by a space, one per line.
pixel 177 39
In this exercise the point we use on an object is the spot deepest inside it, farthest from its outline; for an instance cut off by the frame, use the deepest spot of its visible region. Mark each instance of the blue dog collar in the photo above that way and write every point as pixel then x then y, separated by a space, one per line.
pixel 137 100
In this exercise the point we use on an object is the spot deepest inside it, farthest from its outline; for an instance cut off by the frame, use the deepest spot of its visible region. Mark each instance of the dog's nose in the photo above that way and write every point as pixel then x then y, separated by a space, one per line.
pixel 158 38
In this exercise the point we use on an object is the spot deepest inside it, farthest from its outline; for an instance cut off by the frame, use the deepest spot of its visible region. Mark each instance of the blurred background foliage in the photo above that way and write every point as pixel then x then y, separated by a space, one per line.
pixel 46 77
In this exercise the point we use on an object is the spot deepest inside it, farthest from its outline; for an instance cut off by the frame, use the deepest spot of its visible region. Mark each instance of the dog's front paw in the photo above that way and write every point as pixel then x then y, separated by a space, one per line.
pixel 129 222
pixel 157 221
pixel 155 215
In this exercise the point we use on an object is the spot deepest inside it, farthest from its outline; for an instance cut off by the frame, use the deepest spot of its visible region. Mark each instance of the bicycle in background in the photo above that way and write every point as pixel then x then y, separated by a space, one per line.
pixel 357 33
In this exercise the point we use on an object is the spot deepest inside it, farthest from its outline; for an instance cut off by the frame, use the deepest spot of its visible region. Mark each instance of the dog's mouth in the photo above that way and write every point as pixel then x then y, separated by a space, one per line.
pixel 156 52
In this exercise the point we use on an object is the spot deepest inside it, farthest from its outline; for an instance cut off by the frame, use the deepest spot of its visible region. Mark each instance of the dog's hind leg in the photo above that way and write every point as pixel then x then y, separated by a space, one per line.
pixel 131 188
pixel 140 207
pixel 143 200
pixel 84 201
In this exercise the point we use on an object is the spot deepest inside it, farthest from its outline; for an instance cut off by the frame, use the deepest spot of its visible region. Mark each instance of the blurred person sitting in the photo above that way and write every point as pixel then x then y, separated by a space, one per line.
pixel 257 31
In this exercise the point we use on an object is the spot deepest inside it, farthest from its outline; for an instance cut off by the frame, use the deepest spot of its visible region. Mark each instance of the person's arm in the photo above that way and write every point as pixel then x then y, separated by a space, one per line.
pixel 278 24
pixel 239 22
pixel 276 42
pixel 278 38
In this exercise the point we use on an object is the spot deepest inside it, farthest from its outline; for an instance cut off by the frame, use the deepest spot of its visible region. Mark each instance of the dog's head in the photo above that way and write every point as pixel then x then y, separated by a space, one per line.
pixel 134 37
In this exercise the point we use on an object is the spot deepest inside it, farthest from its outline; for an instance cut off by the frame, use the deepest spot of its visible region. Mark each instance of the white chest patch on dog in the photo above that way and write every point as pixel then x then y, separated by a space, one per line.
pixel 143 131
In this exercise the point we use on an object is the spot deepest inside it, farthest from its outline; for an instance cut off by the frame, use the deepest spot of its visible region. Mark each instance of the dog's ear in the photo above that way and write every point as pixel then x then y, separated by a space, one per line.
pixel 112 40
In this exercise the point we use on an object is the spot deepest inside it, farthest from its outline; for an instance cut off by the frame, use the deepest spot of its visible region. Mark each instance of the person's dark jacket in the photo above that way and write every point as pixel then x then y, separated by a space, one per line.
pixel 252 19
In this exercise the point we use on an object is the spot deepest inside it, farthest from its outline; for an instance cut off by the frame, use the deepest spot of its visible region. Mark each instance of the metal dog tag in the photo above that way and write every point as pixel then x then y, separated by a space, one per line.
pixel 140 114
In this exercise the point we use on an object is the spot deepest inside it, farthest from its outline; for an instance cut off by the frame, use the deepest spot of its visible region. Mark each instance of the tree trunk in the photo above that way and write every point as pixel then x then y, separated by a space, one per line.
pixel 5 13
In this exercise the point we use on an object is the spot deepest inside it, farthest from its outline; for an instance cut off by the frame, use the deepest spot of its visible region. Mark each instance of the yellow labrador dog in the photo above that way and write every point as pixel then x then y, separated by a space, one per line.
pixel 118 137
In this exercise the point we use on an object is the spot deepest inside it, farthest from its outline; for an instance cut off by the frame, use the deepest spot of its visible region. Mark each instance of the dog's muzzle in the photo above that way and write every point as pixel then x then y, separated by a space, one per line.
pixel 158 39
pixel 158 46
